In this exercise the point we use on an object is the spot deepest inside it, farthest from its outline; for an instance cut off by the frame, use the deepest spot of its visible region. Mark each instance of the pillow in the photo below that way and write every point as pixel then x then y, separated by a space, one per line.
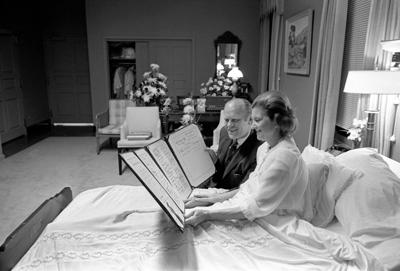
pixel 369 210
pixel 324 193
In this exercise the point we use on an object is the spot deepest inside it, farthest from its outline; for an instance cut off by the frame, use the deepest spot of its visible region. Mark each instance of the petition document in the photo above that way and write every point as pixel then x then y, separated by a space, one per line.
pixel 154 187
pixel 165 159
pixel 190 150
pixel 148 161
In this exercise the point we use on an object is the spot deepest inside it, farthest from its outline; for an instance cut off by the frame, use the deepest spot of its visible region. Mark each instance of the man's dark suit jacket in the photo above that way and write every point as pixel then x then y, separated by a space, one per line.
pixel 231 174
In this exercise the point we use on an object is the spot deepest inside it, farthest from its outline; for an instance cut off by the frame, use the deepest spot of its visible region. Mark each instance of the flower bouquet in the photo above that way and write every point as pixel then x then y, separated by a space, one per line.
pixel 357 132
pixel 217 86
pixel 152 90
pixel 189 112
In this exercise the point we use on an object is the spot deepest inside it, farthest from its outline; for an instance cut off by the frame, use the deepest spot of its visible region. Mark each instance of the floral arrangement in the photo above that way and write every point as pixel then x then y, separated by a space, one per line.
pixel 357 132
pixel 189 112
pixel 152 90
pixel 217 86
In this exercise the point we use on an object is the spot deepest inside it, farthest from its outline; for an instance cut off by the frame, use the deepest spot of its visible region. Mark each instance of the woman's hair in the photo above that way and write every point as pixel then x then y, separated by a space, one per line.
pixel 277 107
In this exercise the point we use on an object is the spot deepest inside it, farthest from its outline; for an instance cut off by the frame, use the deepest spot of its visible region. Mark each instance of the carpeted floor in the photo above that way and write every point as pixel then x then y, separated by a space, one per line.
pixel 29 177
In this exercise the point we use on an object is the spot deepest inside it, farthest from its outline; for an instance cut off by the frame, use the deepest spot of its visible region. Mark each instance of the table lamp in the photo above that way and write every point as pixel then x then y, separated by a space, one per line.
pixel 235 74
pixel 374 82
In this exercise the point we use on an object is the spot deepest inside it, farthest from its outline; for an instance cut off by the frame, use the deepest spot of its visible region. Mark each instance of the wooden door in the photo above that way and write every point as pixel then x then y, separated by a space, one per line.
pixel 11 100
pixel 175 60
pixel 67 70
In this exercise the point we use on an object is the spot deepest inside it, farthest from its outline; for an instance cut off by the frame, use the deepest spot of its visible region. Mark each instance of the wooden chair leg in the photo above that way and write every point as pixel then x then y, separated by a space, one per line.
pixel 119 162
pixel 98 144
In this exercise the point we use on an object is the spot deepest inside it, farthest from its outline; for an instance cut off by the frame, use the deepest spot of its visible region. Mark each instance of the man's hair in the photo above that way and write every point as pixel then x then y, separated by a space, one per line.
pixel 243 104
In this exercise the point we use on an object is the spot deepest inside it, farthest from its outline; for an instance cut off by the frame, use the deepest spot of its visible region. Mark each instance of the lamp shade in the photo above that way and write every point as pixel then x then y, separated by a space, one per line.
pixel 373 82
pixel 391 45
pixel 235 73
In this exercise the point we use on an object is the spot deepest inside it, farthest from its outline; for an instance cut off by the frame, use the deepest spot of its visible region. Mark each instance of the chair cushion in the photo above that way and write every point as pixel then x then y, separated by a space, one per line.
pixel 117 110
pixel 132 144
pixel 112 129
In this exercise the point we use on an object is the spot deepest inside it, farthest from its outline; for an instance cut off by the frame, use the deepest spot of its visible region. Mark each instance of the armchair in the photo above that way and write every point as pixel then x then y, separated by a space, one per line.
pixel 108 123
pixel 138 120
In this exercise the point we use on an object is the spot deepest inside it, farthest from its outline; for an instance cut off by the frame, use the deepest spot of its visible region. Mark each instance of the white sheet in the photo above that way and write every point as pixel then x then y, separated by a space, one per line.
pixel 122 228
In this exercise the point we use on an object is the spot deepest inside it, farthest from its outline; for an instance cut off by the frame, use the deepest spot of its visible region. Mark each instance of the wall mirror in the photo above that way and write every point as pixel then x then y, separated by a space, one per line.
pixel 227 48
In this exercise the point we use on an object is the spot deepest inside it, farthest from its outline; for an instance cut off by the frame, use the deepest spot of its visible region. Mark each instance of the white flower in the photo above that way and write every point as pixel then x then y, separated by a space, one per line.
pixel 359 123
pixel 138 93
pixel 154 66
pixel 357 130
pixel 188 109
pixel 354 134
pixel 146 98
pixel 224 93
pixel 153 90
pixel 203 91
pixel 167 101
pixel 152 80
pixel 162 92
pixel 186 119
pixel 187 101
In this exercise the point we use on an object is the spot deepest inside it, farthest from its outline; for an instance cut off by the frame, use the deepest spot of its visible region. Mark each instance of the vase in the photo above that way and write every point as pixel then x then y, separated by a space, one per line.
pixel 356 144
pixel 201 105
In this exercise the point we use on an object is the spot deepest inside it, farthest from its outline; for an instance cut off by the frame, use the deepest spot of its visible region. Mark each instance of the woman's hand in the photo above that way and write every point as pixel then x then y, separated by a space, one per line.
pixel 199 200
pixel 195 216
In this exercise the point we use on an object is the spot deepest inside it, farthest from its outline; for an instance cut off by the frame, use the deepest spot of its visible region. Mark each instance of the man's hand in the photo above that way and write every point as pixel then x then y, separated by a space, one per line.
pixel 212 154
pixel 200 200
pixel 195 216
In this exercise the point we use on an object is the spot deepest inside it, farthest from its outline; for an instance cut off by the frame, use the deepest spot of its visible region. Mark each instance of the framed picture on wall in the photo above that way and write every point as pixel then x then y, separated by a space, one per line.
pixel 298 32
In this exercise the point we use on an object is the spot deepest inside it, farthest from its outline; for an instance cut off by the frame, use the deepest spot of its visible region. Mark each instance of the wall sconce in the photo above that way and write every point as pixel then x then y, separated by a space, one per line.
pixel 373 82
pixel 235 74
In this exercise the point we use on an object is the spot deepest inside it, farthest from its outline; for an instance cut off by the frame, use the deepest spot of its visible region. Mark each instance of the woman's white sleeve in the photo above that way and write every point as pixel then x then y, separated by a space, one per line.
pixel 275 180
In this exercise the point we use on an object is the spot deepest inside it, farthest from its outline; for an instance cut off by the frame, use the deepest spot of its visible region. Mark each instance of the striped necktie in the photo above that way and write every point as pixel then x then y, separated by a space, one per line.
pixel 231 150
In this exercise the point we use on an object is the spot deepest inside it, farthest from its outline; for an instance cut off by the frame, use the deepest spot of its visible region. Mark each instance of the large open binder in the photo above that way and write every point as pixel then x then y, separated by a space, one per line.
pixel 171 167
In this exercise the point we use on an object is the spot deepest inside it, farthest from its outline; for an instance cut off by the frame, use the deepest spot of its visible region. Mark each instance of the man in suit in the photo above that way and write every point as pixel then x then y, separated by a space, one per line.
pixel 236 155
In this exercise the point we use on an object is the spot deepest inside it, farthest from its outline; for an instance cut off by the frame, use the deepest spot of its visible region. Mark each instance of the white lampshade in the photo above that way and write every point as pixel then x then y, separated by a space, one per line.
pixel 391 45
pixel 235 73
pixel 373 82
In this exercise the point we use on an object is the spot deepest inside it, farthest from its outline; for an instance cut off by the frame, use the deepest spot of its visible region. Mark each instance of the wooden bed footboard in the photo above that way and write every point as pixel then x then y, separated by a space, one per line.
pixel 22 238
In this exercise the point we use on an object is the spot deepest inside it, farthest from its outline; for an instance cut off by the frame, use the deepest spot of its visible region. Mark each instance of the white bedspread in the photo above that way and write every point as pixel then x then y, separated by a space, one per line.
pixel 122 228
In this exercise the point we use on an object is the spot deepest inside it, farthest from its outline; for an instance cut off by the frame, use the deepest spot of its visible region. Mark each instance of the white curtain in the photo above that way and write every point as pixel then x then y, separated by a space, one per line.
pixel 384 24
pixel 271 23
pixel 328 72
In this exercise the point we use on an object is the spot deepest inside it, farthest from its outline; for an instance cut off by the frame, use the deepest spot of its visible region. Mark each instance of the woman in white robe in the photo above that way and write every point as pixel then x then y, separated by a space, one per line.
pixel 279 182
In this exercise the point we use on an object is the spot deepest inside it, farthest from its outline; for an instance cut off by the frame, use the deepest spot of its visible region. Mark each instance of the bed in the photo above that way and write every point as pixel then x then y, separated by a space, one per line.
pixel 122 228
